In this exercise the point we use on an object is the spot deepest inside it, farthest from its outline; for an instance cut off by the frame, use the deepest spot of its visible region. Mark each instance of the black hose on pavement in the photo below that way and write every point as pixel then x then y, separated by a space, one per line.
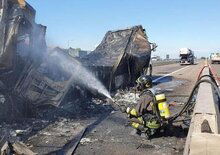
pixel 187 105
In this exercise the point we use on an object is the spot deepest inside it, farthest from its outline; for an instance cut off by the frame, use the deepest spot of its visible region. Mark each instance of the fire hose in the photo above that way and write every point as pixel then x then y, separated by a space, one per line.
pixel 188 105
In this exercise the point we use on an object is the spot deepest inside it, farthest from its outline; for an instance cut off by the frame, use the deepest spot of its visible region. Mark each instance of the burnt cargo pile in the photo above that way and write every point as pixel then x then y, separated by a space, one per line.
pixel 27 76
pixel 22 44
pixel 121 57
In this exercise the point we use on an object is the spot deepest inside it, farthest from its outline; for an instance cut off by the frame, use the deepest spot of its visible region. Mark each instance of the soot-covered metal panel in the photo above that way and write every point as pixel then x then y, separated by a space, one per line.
pixel 126 52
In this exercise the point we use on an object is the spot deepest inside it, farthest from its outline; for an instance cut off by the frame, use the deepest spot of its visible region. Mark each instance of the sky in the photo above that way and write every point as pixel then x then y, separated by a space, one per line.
pixel 171 24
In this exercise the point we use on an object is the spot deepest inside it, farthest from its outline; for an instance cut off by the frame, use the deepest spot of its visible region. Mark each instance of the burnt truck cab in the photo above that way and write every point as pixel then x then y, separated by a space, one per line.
pixel 186 56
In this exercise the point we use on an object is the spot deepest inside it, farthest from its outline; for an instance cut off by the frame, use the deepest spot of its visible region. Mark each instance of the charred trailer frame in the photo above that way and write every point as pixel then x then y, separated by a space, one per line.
pixel 121 57
pixel 22 45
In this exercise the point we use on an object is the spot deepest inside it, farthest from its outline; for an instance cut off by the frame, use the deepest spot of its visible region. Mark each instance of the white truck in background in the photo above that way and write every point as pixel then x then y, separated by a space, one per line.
pixel 186 56
pixel 215 58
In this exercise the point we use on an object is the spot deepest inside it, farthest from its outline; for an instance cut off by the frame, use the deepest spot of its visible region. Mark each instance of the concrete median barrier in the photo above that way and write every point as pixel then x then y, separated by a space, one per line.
pixel 203 136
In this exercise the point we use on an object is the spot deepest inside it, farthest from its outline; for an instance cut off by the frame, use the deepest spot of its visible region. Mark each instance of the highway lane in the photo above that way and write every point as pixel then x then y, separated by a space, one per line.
pixel 166 69
pixel 169 74
pixel 216 68
pixel 180 79
pixel 111 136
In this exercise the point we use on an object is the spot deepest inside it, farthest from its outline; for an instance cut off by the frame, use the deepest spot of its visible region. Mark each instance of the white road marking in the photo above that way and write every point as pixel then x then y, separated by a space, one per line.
pixel 170 74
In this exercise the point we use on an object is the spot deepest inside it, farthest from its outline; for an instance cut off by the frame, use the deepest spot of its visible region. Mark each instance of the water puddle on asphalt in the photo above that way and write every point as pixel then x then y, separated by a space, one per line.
pixel 169 84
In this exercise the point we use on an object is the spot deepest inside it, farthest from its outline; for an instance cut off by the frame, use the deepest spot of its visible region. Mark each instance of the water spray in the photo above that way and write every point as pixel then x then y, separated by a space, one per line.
pixel 80 74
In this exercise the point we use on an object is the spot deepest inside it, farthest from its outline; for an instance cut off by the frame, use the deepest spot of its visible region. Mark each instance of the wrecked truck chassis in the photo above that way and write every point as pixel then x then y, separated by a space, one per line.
pixel 22 62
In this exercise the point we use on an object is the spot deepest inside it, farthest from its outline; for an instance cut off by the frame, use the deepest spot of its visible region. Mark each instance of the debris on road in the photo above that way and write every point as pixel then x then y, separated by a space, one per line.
pixel 17 148
pixel 87 140
pixel 55 136
pixel 47 109
pixel 126 97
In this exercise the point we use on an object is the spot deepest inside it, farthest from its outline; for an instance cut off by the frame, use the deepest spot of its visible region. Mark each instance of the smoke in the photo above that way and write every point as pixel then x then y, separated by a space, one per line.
pixel 79 74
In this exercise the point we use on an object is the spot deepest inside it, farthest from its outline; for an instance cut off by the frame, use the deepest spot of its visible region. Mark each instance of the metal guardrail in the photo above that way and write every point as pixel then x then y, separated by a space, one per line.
pixel 203 137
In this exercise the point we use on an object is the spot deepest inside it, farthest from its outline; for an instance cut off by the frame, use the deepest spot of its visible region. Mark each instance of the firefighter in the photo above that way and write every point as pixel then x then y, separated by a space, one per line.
pixel 151 108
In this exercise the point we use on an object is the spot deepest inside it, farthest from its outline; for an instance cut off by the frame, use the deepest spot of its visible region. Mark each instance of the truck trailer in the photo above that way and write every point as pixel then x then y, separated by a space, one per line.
pixel 215 58
pixel 186 56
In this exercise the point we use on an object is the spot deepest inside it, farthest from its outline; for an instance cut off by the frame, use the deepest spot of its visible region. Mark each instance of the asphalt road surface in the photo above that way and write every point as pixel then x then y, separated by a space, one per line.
pixel 111 136
pixel 216 67
pixel 106 130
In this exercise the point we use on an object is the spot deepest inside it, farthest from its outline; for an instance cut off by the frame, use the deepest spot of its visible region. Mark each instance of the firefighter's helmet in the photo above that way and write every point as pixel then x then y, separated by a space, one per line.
pixel 144 82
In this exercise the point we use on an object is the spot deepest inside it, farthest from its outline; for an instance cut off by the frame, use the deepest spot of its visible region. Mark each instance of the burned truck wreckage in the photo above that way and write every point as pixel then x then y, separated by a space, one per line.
pixel 121 57
pixel 22 44
pixel 24 81
pixel 28 77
